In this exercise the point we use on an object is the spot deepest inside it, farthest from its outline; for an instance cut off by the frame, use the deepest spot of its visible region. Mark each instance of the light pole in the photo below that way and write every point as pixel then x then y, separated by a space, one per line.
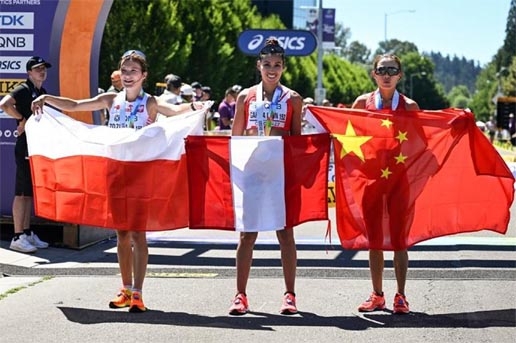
pixel 320 92
pixel 412 82
pixel 320 54
pixel 385 21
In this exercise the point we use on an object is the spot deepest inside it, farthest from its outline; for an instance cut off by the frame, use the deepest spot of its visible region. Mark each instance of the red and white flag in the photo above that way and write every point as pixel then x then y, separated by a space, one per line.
pixel 257 183
pixel 114 178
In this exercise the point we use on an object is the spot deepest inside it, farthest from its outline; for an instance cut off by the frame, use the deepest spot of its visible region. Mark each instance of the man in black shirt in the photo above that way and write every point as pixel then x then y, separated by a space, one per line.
pixel 17 104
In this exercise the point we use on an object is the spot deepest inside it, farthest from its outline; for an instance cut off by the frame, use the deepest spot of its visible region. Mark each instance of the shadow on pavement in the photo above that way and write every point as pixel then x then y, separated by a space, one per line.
pixel 266 321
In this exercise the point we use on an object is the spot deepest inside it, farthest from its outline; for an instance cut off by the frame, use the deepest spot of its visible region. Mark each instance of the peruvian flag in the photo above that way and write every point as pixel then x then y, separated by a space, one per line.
pixel 256 184
pixel 113 178
pixel 405 177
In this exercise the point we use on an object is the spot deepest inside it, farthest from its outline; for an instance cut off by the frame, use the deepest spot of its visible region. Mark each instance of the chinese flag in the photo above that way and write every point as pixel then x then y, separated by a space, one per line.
pixel 257 184
pixel 405 177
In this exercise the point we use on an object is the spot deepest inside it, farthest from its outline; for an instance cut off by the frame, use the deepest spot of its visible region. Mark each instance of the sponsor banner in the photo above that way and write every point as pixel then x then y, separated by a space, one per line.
pixel 8 136
pixel 13 64
pixel 328 28
pixel 16 20
pixel 328 25
pixel 7 85
pixel 46 28
pixel 16 42
pixel 295 42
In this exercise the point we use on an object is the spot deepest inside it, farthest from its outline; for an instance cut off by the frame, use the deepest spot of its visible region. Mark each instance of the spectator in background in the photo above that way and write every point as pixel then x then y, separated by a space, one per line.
pixel 206 93
pixel 187 93
pixel 197 88
pixel 307 127
pixel 116 82
pixel 227 109
pixel 491 128
pixel 236 89
pixel 172 94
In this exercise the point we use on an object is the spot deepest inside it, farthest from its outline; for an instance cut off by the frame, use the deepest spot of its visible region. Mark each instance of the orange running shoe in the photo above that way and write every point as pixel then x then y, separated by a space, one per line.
pixel 289 304
pixel 123 299
pixel 401 305
pixel 137 303
pixel 239 306
pixel 373 303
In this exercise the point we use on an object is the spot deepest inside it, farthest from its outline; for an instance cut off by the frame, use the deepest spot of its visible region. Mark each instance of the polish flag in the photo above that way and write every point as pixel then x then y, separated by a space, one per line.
pixel 256 184
pixel 113 178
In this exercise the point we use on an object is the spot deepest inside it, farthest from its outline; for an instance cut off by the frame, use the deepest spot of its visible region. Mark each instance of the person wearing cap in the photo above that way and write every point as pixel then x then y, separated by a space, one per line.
pixel 131 108
pixel 17 104
pixel 236 88
pixel 197 88
pixel 187 93
pixel 172 94
pixel 206 93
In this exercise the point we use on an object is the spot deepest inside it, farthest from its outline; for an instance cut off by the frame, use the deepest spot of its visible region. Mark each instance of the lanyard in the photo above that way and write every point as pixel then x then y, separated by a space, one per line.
pixel 264 124
pixel 378 103
pixel 132 117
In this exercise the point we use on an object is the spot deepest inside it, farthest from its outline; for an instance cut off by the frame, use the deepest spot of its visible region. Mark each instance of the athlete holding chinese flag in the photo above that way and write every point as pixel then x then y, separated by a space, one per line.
pixel 387 73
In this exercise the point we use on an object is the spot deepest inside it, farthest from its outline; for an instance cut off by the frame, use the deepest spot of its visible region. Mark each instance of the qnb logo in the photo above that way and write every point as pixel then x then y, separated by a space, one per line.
pixel 8 133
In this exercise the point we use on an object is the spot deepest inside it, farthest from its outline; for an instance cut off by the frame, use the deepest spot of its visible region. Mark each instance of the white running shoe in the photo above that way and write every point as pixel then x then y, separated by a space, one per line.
pixel 35 241
pixel 22 244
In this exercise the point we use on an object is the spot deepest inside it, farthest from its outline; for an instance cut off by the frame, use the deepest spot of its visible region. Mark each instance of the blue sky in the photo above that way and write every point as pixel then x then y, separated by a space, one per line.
pixel 474 29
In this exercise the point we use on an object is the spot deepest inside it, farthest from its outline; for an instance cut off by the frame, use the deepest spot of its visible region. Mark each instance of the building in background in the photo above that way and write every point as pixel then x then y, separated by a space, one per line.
pixel 301 12
pixel 283 8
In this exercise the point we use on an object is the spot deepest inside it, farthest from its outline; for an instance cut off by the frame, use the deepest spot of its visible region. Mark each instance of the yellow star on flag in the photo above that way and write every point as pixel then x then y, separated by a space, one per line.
pixel 400 158
pixel 386 172
pixel 351 143
pixel 387 123
pixel 402 136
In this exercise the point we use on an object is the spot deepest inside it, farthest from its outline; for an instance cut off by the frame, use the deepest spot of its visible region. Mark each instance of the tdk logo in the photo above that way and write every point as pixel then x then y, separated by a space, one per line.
pixel 295 42
pixel 17 20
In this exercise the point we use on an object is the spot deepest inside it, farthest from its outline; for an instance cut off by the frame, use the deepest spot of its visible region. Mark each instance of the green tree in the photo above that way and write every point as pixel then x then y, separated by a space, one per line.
pixel 487 84
pixel 344 81
pixel 419 82
pixel 396 47
pixel 148 26
pixel 460 90
pixel 459 96
pixel 193 39
pixel 357 52
pixel 508 50
pixel 509 82
pixel 342 35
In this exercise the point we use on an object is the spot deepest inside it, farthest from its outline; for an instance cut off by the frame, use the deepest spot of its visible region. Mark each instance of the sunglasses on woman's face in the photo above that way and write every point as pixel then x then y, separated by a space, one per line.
pixel 391 71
